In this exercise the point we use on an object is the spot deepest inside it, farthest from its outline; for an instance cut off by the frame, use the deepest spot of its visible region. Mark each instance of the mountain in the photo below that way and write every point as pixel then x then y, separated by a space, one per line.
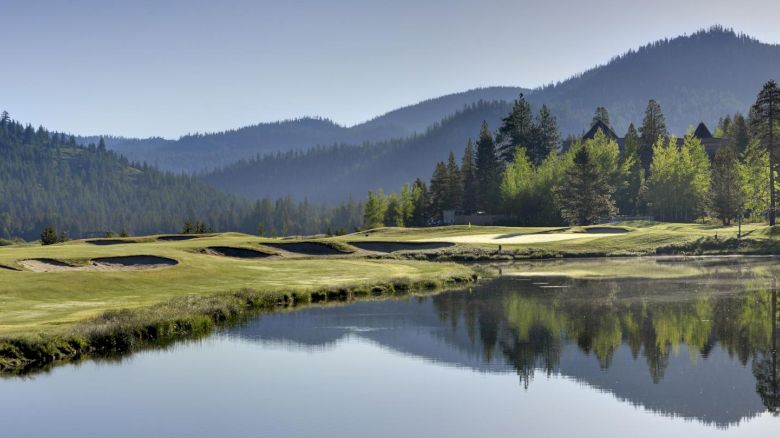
pixel 202 152
pixel 334 173
pixel 695 78
pixel 48 179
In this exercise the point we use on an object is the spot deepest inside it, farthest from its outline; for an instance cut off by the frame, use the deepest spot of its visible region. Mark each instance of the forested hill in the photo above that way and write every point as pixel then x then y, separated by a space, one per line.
pixel 334 173
pixel 200 152
pixel 695 78
pixel 46 178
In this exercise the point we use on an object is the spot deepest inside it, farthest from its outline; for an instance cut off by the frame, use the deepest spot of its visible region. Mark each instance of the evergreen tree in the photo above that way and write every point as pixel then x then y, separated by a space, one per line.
pixel 628 196
pixel 421 203
pixel 49 236
pixel 439 189
pixel 653 126
pixel 517 130
pixel 765 127
pixel 600 115
pixel 725 189
pixel 374 211
pixel 468 173
pixel 585 195
pixel 488 170
pixel 739 133
pixel 755 180
pixel 548 138
pixel 394 213
pixel 454 184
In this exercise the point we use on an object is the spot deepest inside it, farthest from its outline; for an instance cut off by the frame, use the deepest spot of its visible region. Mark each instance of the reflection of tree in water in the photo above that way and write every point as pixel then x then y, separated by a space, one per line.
pixel 765 366
pixel 530 325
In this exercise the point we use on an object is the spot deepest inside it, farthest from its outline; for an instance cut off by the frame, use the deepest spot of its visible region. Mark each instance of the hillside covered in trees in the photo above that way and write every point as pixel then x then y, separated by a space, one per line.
pixel 671 72
pixel 695 78
pixel 47 179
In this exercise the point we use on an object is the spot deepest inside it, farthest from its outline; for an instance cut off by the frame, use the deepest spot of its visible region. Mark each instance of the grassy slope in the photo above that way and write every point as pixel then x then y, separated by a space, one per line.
pixel 34 301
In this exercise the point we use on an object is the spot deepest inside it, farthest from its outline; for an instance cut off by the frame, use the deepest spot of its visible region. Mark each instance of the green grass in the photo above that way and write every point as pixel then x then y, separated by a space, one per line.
pixel 46 316
pixel 32 302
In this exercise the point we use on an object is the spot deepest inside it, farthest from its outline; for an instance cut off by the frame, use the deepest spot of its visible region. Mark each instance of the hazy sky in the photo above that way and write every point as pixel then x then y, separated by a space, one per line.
pixel 156 67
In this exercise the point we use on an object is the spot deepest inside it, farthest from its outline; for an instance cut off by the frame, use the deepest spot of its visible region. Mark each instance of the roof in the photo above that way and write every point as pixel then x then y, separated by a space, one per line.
pixel 702 132
pixel 599 125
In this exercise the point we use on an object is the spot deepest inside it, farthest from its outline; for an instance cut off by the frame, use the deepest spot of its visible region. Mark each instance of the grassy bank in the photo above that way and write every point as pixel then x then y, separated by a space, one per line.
pixel 106 296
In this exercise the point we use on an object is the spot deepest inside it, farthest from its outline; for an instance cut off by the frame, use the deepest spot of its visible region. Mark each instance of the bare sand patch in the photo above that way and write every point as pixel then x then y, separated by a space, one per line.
pixel 122 263
pixel 523 239
pixel 417 245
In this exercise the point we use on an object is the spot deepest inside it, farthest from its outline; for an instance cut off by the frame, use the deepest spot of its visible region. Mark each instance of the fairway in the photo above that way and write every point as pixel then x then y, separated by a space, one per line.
pixel 523 239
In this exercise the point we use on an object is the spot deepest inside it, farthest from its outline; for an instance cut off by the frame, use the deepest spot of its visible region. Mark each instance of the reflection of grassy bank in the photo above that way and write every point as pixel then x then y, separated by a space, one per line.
pixel 121 331
pixel 48 316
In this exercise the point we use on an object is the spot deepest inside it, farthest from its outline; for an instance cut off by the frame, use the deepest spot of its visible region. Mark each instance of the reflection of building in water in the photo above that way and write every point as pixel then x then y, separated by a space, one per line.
pixel 655 344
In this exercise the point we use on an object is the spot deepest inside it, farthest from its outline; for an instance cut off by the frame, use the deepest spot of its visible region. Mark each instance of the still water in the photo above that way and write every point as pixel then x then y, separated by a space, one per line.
pixel 518 356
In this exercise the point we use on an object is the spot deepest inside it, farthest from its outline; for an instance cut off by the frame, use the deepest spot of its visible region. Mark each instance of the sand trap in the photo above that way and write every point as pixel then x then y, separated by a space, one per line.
pixel 606 230
pixel 503 239
pixel 177 237
pixel 109 241
pixel 125 263
pixel 130 263
pixel 242 253
pixel 420 245
pixel 306 248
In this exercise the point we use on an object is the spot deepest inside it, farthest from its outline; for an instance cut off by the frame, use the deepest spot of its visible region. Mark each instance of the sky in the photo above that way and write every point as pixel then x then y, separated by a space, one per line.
pixel 171 67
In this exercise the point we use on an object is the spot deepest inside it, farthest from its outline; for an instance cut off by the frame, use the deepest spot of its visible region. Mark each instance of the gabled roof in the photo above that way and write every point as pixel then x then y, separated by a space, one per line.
pixel 599 125
pixel 702 131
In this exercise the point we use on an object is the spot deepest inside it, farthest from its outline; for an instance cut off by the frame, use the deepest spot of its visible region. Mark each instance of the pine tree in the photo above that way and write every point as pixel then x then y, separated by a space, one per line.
pixel 439 188
pixel 628 197
pixel 517 130
pixel 394 213
pixel 49 236
pixel 585 195
pixel 548 138
pixel 725 190
pixel 374 210
pixel 754 180
pixel 764 127
pixel 468 173
pixel 421 203
pixel 454 184
pixel 600 115
pixel 653 126
pixel 739 133
pixel 488 170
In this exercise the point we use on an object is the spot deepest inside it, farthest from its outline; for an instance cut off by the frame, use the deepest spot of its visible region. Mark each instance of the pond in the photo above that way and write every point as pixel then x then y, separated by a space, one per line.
pixel 544 355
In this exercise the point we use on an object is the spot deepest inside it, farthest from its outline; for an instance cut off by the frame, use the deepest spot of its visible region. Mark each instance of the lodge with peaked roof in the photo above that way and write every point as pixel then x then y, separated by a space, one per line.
pixel 711 144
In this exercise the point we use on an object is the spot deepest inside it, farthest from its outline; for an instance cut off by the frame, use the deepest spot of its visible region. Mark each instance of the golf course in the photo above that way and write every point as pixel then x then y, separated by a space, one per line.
pixel 111 295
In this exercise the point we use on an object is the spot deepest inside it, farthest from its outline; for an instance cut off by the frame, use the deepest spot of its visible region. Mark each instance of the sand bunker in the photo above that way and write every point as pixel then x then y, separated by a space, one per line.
pixel 130 263
pixel 123 263
pixel 109 241
pixel 307 248
pixel 177 237
pixel 606 230
pixel 421 245
pixel 242 253
pixel 523 239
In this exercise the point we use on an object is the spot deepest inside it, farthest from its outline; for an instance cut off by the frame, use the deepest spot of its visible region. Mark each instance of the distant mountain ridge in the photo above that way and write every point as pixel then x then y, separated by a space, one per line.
pixel 696 78
pixel 200 152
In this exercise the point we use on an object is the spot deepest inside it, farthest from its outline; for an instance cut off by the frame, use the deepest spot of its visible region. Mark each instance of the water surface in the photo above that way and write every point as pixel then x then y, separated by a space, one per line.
pixel 519 356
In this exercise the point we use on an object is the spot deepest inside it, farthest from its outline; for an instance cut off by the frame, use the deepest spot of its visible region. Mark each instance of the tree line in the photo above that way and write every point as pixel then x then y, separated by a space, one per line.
pixel 53 187
pixel 526 173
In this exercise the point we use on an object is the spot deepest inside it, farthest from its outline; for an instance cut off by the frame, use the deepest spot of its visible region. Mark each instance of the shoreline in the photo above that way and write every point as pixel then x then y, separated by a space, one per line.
pixel 120 332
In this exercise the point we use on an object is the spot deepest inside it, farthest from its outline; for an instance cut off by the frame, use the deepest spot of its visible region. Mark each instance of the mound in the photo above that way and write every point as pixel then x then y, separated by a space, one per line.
pixel 307 248
pixel 47 265
pixel 400 246
pixel 130 263
pixel 177 237
pixel 242 253
pixel 109 241
pixel 8 268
